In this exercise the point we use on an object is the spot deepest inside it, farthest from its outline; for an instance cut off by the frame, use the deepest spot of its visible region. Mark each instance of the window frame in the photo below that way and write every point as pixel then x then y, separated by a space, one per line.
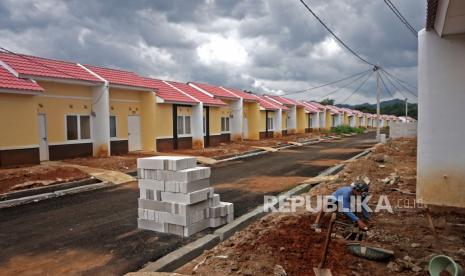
pixel 184 124
pixel 225 124
pixel 116 127
pixel 270 126
pixel 78 118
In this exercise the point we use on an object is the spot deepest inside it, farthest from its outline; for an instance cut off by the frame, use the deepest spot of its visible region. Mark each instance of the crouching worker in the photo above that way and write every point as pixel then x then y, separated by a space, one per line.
pixel 342 197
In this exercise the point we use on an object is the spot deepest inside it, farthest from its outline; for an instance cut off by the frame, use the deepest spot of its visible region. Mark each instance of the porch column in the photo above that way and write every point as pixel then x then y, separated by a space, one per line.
pixel 291 128
pixel 101 120
pixel 318 120
pixel 237 120
pixel 278 123
pixel 197 126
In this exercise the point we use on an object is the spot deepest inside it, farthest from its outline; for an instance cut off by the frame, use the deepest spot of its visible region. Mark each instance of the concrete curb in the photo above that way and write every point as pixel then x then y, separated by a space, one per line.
pixel 179 257
pixel 36 198
pixel 185 254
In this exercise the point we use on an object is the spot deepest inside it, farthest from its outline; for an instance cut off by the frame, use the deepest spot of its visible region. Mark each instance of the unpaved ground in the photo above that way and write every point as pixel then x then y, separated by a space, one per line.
pixel 95 233
pixel 35 176
pixel 283 239
pixel 227 149
pixel 41 175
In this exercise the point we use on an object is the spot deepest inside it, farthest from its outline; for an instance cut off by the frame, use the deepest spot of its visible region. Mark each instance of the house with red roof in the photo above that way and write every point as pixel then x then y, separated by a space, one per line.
pixel 294 120
pixel 64 120
pixel 234 121
pixel 271 117
pixel 312 117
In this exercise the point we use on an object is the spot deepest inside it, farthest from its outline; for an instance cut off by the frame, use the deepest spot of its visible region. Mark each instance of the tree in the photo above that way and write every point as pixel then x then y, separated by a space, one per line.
pixel 327 101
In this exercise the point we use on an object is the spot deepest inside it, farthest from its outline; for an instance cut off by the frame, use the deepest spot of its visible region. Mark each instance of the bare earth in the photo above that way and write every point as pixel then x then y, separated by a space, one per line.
pixel 286 240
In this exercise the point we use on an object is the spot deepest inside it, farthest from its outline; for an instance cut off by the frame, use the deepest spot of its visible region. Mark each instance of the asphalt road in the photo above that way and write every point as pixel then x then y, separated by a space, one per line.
pixel 95 233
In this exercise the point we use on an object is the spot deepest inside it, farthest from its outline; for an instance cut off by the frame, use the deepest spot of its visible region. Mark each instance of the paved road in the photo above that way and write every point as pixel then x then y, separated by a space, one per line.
pixel 96 232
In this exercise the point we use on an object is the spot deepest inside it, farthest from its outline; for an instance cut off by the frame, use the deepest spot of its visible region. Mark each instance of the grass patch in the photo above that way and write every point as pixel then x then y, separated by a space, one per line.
pixel 347 130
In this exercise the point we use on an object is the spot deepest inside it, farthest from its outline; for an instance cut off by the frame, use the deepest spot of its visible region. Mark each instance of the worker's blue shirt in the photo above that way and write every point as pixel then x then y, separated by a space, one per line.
pixel 345 193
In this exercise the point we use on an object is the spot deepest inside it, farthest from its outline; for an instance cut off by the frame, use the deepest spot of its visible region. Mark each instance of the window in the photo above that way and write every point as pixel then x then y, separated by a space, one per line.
pixel 112 126
pixel 77 127
pixel 224 124
pixel 269 123
pixel 184 125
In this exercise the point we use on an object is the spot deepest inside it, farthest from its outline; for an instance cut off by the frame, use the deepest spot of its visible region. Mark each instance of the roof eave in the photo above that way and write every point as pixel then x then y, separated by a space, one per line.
pixel 20 91
pixel 61 80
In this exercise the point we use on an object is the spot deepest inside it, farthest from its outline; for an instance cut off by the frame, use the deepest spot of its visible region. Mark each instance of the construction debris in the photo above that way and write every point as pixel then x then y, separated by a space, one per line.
pixel 176 197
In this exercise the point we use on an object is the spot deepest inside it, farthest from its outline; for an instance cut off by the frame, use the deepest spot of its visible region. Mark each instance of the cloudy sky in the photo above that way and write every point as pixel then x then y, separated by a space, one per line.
pixel 267 46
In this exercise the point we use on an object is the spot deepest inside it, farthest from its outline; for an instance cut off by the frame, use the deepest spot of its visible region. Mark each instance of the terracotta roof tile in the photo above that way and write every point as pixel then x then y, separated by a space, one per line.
pixel 168 93
pixel 9 81
pixel 120 77
pixel 244 95
pixel 41 67
pixel 204 98
pixel 217 92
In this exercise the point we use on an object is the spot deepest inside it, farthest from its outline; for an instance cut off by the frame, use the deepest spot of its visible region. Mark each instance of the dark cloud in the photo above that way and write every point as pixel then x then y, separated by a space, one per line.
pixel 268 46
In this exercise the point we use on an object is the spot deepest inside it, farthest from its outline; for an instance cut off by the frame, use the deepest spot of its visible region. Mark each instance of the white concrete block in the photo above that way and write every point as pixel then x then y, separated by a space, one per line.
pixel 217 222
pixel 152 184
pixel 196 227
pixel 189 198
pixel 214 200
pixel 187 187
pixel 188 210
pixel 151 225
pixel 175 229
pixel 159 206
pixel 180 219
pixel 149 194
pixel 172 163
pixel 187 175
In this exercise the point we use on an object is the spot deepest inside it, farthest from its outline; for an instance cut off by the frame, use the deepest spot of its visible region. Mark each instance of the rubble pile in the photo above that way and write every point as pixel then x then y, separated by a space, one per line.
pixel 176 197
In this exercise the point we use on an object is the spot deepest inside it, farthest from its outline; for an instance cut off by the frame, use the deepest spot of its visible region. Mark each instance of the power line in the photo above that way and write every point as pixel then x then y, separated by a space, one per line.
pixel 400 82
pixel 385 86
pixel 358 88
pixel 394 85
pixel 339 88
pixel 401 17
pixel 326 84
pixel 334 35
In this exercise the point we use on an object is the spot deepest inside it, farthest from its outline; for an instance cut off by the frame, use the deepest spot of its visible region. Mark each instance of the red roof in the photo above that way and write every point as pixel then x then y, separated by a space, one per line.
pixel 333 109
pixel 9 81
pixel 244 95
pixel 216 91
pixel 168 93
pixel 275 102
pixel 120 77
pixel 318 105
pixel 310 108
pixel 40 67
pixel 204 98
pixel 284 101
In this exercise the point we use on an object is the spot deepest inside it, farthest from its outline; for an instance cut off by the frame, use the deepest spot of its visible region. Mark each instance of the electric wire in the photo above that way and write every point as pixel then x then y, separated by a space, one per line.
pixel 334 35
pixel 396 88
pixel 344 86
pixel 400 82
pixel 401 17
pixel 385 86
pixel 326 84
pixel 358 88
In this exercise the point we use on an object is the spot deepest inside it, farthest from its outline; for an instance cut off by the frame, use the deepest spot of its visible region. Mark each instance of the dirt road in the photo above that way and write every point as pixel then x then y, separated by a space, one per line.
pixel 96 232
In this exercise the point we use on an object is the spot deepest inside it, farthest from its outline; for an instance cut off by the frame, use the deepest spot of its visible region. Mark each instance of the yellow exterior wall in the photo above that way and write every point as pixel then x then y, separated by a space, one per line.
pixel 329 120
pixel 263 120
pixel 122 104
pixel 302 120
pixel 346 119
pixel 215 119
pixel 224 111
pixel 164 120
pixel 284 120
pixel 67 102
pixel 253 114
pixel 149 121
pixel 18 121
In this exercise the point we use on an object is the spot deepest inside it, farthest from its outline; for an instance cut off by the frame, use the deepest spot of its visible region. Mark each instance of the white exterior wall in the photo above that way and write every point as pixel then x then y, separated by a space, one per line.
pixel 322 119
pixel 237 120
pixel 292 122
pixel 101 120
pixel 278 125
pixel 197 126
pixel 441 134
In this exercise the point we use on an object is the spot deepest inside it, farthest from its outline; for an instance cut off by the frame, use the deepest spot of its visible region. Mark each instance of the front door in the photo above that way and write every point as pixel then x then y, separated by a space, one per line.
pixel 134 133
pixel 43 143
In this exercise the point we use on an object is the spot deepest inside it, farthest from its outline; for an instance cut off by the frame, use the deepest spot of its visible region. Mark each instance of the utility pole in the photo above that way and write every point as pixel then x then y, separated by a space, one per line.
pixel 406 108
pixel 378 108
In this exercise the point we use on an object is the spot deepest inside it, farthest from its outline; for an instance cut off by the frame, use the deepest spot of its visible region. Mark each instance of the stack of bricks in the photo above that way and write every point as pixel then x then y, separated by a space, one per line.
pixel 176 197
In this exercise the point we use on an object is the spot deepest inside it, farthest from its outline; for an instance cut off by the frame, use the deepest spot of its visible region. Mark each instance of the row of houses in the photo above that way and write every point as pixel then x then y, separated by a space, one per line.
pixel 52 110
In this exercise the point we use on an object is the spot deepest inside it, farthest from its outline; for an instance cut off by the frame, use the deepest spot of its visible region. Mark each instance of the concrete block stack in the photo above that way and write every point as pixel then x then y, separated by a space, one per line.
pixel 176 197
